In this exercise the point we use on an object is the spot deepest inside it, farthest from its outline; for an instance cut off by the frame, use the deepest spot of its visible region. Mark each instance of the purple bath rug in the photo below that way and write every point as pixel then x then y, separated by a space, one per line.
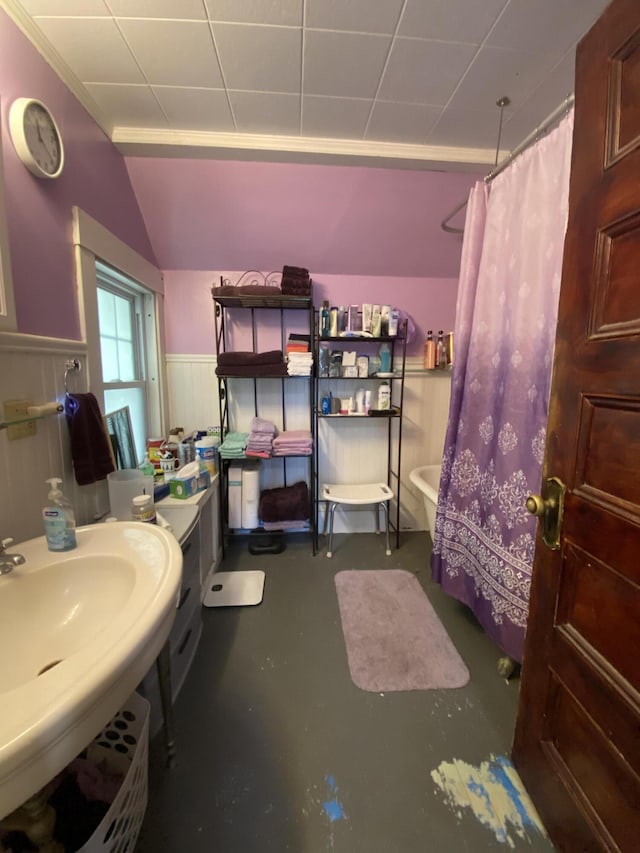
pixel 393 636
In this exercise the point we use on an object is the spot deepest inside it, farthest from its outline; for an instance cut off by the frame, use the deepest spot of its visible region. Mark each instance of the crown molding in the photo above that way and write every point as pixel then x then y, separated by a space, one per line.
pixel 25 23
pixel 143 142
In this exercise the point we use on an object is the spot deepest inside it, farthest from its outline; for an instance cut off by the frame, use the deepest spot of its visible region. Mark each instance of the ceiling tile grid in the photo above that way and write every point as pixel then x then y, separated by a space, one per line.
pixel 411 72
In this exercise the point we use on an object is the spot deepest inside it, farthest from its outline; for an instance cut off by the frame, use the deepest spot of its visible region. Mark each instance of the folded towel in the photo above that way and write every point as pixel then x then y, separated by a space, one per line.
pixel 286 503
pixel 263 426
pixel 293 436
pixel 234 445
pixel 90 448
pixel 249 371
pixel 245 359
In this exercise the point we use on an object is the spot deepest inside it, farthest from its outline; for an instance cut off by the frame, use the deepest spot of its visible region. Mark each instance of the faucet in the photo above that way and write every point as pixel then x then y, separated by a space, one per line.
pixel 8 561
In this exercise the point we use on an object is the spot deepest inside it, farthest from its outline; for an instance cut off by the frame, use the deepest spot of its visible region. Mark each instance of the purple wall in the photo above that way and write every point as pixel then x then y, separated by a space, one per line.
pixel 189 310
pixel 333 220
pixel 39 212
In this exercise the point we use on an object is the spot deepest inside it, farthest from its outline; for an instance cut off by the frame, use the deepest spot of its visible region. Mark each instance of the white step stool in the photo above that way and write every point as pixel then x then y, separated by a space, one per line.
pixel 378 494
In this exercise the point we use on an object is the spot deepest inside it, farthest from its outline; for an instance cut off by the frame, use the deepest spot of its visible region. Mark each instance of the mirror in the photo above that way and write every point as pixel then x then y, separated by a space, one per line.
pixel 119 430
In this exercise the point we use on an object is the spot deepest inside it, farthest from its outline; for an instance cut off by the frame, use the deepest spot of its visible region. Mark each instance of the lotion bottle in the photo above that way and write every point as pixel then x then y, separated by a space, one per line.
pixel 59 520
pixel 430 351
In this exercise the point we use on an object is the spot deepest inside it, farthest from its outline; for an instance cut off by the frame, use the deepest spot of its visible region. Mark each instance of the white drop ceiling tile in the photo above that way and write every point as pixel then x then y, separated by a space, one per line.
pixel 339 118
pixel 545 26
pixel 360 16
pixel 93 48
pixel 450 20
pixel 468 128
pixel 424 72
pixel 174 53
pixel 195 109
pixel 405 123
pixel 552 91
pixel 88 9
pixel 188 10
pixel 128 106
pixel 271 113
pixel 277 12
pixel 259 58
pixel 343 64
pixel 496 72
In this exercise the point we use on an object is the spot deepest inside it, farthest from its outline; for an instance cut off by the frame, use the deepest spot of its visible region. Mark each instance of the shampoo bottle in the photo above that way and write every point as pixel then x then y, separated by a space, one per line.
pixel 59 520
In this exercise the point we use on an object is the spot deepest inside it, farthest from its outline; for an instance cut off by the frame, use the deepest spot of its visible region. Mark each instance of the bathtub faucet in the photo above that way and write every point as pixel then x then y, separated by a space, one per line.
pixel 8 561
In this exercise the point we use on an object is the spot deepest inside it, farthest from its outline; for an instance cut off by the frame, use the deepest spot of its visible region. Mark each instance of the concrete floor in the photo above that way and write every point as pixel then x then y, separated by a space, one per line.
pixel 279 751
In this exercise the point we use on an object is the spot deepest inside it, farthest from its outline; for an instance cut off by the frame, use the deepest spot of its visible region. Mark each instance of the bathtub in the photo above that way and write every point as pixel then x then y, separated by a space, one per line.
pixel 427 479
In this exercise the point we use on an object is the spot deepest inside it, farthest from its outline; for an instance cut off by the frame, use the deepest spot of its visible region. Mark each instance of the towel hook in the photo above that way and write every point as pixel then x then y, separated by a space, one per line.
pixel 71 365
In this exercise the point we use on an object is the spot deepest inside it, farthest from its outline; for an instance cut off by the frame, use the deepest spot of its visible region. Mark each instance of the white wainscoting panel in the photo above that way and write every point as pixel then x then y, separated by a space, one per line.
pixel 33 369
pixel 349 450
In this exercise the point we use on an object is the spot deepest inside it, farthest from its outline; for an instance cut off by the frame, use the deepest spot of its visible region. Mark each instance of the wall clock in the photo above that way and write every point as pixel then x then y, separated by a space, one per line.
pixel 36 138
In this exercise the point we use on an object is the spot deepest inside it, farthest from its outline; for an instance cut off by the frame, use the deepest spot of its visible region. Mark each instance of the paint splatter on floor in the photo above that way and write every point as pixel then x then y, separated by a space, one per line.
pixel 493 792
pixel 333 807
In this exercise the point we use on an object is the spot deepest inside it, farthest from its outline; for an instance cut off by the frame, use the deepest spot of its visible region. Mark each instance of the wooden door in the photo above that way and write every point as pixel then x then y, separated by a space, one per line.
pixel 577 741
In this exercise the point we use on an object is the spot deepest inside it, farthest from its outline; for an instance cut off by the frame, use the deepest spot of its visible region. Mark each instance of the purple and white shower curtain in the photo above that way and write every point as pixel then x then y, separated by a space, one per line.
pixel 505 333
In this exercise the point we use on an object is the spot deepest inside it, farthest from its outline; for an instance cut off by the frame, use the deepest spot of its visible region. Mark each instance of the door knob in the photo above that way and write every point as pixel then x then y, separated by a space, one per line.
pixel 549 507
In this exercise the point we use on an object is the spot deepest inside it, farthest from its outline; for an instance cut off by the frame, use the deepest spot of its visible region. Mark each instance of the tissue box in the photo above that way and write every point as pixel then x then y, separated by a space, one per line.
pixel 182 488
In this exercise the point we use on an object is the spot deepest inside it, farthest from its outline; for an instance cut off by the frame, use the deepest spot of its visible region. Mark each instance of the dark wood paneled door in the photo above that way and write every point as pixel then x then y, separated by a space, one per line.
pixel 577 741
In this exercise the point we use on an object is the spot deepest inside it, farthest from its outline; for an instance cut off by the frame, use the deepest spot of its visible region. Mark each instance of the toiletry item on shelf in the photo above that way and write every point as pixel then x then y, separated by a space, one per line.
pixel 333 322
pixel 385 313
pixel 59 520
pixel 441 351
pixel 335 365
pixel 449 344
pixel 143 509
pixel 376 321
pixel 342 318
pixel 146 466
pixel 394 319
pixel 385 358
pixel 325 406
pixel 324 357
pixel 335 403
pixel 206 453
pixel 430 351
pixel 349 367
pixel 367 400
pixel 360 395
pixel 352 320
pixel 324 319
pixel 384 396
pixel 367 309
pixel 362 363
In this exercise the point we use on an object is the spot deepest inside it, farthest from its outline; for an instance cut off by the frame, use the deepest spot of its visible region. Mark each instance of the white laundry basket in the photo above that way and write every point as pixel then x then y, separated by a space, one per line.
pixel 124 744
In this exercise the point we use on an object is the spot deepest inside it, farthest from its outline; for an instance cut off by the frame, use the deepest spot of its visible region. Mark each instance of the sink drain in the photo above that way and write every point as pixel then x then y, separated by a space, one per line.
pixel 49 666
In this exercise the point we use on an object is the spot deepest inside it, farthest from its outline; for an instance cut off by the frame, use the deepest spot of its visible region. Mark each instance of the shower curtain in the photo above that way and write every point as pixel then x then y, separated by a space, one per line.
pixel 504 333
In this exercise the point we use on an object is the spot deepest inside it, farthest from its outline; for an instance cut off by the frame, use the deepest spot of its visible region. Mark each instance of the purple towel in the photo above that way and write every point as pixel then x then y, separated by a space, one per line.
pixel 90 449
pixel 263 426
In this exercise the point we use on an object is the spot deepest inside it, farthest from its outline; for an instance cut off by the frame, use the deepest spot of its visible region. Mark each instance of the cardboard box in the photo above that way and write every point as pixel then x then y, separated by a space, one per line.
pixel 182 489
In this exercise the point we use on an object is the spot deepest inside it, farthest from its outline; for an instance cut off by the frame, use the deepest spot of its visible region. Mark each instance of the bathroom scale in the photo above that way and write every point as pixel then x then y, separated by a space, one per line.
pixel 234 589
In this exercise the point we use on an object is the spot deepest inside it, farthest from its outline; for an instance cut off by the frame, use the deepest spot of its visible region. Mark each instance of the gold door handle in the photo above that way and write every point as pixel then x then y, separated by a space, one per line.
pixel 549 507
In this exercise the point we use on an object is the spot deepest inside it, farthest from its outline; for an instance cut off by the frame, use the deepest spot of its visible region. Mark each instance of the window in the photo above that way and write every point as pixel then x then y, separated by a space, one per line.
pixel 122 315
pixel 123 348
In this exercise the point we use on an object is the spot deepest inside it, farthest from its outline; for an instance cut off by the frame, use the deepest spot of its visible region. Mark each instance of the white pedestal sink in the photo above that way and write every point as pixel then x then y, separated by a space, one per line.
pixel 78 631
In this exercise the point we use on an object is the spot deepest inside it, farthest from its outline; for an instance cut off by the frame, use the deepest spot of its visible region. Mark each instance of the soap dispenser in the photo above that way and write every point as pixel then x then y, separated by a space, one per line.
pixel 59 520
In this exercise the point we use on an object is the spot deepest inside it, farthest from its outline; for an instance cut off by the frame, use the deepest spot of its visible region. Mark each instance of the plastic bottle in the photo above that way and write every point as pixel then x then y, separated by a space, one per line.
pixel 59 520
pixel 384 396
pixel 143 509
pixel 324 319
pixel 333 322
pixel 385 358
pixel 430 351
pixel 441 351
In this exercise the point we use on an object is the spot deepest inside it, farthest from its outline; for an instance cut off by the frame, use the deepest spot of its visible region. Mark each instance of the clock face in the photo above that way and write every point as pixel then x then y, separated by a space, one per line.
pixel 36 138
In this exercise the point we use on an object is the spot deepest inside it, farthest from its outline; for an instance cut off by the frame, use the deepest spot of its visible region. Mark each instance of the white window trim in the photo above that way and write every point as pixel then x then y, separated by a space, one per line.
pixel 8 321
pixel 92 240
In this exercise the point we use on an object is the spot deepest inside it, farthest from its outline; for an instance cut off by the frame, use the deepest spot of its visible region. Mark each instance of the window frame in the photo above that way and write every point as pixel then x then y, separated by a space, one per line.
pixel 93 242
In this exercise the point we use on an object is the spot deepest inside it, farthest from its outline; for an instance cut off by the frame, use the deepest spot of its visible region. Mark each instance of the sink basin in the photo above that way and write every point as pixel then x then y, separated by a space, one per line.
pixel 78 632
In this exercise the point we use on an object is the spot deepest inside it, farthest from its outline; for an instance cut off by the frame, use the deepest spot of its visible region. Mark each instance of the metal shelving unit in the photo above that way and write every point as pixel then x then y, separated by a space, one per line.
pixel 391 421
pixel 251 304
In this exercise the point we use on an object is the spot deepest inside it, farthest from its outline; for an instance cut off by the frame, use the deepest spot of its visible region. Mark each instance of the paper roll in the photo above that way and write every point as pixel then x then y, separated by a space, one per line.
pixel 250 497
pixel 44 409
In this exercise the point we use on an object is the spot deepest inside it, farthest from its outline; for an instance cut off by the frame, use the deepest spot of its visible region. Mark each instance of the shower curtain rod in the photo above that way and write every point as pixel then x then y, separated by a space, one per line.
pixel 539 131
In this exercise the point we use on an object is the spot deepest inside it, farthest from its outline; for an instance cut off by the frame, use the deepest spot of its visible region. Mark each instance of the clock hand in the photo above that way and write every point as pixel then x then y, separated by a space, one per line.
pixel 42 140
